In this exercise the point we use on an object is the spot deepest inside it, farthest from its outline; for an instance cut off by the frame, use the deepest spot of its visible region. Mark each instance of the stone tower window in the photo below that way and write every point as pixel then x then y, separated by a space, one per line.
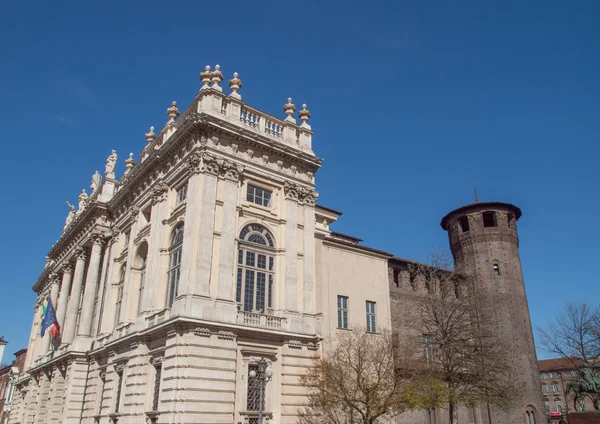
pixel 463 223
pixel 511 220
pixel 496 270
pixel 489 219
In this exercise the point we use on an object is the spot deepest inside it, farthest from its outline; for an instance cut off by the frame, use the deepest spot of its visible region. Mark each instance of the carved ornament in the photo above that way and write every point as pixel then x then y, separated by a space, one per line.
pixel 210 165
pixel 159 192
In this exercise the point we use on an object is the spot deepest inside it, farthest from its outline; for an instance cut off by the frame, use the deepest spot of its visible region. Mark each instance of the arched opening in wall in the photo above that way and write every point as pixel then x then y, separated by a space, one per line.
pixel 140 267
pixel 489 219
pixel 256 269
pixel 175 251
pixel 463 223
pixel 496 269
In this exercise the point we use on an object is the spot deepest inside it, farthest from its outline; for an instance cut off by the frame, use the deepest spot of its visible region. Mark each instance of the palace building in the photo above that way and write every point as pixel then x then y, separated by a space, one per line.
pixel 171 281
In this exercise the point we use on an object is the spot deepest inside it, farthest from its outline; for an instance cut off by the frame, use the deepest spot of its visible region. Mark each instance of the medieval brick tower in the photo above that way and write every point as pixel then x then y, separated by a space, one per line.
pixel 485 244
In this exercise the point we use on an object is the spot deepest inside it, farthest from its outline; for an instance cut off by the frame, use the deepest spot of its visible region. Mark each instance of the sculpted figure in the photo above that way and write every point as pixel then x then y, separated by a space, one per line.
pixel 111 161
pixel 70 216
pixel 96 180
pixel 83 199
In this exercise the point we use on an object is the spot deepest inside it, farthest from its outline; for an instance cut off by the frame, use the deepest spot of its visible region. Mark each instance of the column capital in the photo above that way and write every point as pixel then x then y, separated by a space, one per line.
pixel 80 254
pixel 67 269
pixel 53 278
pixel 134 212
pixel 291 191
pixel 229 170
pixel 97 238
pixel 194 163
pixel 210 165
pixel 311 198
pixel 159 192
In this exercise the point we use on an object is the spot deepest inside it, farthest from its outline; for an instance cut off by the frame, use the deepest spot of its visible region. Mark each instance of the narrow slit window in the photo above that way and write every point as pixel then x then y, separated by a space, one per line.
pixel 496 270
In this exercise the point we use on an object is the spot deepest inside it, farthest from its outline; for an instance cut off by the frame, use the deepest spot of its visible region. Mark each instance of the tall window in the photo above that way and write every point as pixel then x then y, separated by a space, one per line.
pixel 253 389
pixel 174 264
pixel 544 388
pixel 558 406
pixel 472 419
pixel 342 305
pixel 119 302
pixel 142 255
pixel 431 416
pixel 371 321
pixel 258 195
pixel 256 269
pixel 157 379
pixel 182 193
pixel 555 388
pixel 547 406
pixel 428 349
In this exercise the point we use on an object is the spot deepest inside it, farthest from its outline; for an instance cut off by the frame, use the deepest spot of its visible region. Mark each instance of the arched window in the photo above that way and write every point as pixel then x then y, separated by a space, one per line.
pixel 120 285
pixel 174 264
pixel 140 259
pixel 256 271
pixel 496 268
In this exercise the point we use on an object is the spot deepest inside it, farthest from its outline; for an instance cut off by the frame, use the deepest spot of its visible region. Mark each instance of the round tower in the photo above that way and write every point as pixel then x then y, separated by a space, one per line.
pixel 485 245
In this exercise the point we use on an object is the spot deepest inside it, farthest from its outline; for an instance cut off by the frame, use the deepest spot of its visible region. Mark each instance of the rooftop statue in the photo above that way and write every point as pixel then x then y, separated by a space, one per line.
pixel 96 181
pixel 111 161
pixel 83 199
pixel 589 384
pixel 70 216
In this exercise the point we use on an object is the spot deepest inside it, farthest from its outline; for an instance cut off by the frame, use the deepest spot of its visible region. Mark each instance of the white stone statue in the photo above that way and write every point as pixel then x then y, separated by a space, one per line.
pixel 96 181
pixel 83 199
pixel 111 161
pixel 70 216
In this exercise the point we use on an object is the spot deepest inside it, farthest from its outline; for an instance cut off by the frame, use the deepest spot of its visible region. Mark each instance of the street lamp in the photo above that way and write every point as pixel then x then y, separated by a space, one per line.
pixel 263 375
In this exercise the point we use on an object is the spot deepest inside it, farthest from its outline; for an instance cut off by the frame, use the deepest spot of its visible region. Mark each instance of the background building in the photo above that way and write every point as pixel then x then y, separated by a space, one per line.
pixel 554 376
pixel 8 377
pixel 207 254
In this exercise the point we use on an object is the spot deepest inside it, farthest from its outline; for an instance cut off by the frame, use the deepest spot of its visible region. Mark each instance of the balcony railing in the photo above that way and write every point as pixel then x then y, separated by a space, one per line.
pixel 260 320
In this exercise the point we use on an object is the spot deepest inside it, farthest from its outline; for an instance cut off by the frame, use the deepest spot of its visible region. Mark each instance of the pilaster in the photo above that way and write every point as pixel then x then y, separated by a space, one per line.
pixel 73 303
pixel 210 170
pixel 91 286
pixel 157 244
pixel 291 250
pixel 63 298
pixel 309 253
pixel 133 233
pixel 75 383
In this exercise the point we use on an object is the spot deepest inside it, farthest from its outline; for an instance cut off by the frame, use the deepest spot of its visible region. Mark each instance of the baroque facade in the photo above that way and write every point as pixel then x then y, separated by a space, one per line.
pixel 206 255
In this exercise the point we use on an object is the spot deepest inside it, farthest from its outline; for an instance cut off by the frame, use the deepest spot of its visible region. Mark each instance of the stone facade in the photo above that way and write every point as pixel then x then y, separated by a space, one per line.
pixel 206 255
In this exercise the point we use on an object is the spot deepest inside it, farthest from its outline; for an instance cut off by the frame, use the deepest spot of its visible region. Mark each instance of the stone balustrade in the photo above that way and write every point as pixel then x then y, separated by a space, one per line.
pixel 260 320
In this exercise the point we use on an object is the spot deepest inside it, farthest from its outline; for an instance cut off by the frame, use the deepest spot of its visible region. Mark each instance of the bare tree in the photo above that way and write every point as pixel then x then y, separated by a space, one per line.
pixel 574 334
pixel 358 380
pixel 462 346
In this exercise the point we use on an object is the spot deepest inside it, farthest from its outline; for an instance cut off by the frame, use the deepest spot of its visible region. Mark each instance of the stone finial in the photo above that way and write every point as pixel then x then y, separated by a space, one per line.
pixel 304 114
pixel 205 77
pixel 150 136
pixel 172 112
pixel 129 164
pixel 217 77
pixel 289 109
pixel 235 84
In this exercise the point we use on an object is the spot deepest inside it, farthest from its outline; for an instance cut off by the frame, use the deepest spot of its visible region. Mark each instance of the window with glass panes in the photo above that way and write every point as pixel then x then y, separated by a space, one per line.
pixel 182 193
pixel 174 265
pixel 258 195
pixel 342 304
pixel 256 269
pixel 371 325
pixel 120 294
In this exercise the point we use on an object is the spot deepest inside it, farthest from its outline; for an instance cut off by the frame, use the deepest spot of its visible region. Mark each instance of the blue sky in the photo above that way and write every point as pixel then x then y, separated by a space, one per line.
pixel 411 103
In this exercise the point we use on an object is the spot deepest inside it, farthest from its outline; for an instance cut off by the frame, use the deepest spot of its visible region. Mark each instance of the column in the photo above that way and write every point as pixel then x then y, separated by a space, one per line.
pixel 63 298
pixel 102 284
pixel 192 225
pixel 54 287
pixel 231 176
pixel 291 250
pixel 155 245
pixel 207 225
pixel 73 303
pixel 309 253
pixel 91 284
